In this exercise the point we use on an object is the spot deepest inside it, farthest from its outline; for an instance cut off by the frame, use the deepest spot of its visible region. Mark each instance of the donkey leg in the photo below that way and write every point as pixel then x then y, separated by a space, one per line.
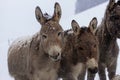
pixel 69 76
pixel 82 75
pixel 101 72
pixel 90 76
pixel 112 70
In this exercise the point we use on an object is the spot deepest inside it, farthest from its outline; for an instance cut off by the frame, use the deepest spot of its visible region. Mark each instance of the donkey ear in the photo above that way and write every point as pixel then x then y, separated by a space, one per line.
pixel 111 3
pixel 75 27
pixel 39 15
pixel 57 12
pixel 93 25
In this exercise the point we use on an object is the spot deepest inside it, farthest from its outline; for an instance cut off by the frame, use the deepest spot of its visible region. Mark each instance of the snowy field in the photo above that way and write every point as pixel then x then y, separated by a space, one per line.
pixel 17 18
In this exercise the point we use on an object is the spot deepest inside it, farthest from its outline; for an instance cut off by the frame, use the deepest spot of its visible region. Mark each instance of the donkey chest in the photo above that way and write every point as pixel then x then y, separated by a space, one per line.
pixel 45 70
pixel 108 53
pixel 77 69
pixel 45 74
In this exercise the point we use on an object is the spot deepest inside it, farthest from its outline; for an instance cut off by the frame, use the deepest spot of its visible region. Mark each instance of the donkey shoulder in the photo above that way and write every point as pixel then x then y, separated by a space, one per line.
pixel 19 51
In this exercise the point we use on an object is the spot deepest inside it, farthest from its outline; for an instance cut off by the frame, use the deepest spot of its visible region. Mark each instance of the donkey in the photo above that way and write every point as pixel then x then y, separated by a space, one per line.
pixel 38 57
pixel 80 51
pixel 108 32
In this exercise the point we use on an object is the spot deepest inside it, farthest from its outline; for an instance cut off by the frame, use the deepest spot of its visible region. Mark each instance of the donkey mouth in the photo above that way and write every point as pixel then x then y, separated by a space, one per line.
pixel 93 71
pixel 55 58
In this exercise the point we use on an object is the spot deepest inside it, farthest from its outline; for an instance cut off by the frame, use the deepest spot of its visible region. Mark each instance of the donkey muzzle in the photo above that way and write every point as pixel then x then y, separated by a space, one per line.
pixel 92 65
pixel 55 53
pixel 93 70
pixel 55 57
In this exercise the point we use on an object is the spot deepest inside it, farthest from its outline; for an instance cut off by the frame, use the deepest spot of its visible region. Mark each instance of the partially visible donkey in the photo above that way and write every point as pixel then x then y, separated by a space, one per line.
pixel 38 57
pixel 80 52
pixel 117 77
pixel 107 33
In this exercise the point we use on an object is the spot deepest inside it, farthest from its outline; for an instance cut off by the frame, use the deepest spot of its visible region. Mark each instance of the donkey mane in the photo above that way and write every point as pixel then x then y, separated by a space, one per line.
pixel 84 29
pixel 70 31
pixel 47 17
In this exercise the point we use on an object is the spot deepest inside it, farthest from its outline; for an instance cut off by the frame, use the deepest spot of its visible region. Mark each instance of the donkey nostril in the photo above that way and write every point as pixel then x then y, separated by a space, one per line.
pixel 55 57
pixel 58 54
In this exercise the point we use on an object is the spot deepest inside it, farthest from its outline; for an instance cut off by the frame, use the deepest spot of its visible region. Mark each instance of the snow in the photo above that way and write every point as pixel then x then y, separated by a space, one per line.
pixel 47 16
pixel 70 32
pixel 20 42
pixel 17 18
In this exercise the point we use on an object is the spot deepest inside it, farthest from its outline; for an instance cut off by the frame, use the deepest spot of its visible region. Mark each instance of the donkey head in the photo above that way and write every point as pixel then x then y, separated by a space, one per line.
pixel 50 33
pixel 86 45
pixel 113 17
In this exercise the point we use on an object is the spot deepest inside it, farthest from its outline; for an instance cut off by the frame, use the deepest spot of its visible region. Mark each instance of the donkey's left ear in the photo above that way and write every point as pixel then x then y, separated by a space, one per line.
pixel 57 12
pixel 39 15
pixel 75 27
pixel 93 25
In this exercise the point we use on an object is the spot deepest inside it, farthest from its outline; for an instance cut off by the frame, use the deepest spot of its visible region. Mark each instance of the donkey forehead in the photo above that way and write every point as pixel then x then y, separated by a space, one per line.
pixel 88 42
pixel 51 27
pixel 87 37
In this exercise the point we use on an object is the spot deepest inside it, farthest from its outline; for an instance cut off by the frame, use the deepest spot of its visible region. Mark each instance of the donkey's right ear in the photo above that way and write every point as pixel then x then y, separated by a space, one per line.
pixel 111 4
pixel 75 27
pixel 39 15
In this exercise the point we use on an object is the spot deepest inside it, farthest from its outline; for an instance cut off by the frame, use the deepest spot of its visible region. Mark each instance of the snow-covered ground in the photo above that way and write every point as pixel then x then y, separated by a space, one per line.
pixel 17 18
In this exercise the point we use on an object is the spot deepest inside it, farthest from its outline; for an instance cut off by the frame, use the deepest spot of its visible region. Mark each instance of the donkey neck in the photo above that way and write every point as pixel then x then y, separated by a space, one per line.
pixel 106 39
pixel 36 49
pixel 43 62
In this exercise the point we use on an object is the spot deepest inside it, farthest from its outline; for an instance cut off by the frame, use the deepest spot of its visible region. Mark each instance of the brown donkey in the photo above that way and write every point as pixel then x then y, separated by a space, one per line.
pixel 107 33
pixel 80 51
pixel 37 58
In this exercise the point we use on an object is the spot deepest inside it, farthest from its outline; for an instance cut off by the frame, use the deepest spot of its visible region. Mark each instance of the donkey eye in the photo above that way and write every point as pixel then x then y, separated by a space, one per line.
pixel 44 36
pixel 59 33
pixel 80 48
pixel 94 46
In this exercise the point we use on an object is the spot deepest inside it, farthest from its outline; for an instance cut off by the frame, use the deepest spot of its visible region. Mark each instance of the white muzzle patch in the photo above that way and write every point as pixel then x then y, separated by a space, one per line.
pixel 92 63
pixel 55 53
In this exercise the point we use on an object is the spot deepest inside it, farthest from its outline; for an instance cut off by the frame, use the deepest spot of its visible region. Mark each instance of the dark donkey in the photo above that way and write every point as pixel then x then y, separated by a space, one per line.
pixel 107 33
pixel 37 58
pixel 80 51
